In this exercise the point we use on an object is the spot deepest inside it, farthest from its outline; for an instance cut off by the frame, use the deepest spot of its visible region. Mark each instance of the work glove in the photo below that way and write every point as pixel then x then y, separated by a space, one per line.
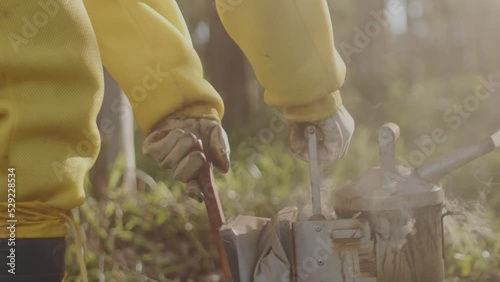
pixel 333 134
pixel 172 144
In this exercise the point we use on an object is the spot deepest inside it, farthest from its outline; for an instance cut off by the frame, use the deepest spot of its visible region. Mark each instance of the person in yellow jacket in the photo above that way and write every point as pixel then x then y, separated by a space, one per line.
pixel 51 88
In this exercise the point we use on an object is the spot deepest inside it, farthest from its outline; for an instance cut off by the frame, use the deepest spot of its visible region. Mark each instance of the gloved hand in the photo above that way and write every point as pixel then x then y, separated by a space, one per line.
pixel 334 136
pixel 171 145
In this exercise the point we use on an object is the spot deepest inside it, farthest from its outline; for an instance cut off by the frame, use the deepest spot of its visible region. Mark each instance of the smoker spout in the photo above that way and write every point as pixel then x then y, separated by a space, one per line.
pixel 438 169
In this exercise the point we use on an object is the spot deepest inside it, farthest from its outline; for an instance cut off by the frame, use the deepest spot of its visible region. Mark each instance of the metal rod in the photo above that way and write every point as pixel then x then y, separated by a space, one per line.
pixel 387 137
pixel 314 171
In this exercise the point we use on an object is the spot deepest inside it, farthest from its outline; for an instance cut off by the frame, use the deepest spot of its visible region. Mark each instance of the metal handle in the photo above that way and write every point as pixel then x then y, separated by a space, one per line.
pixel 314 173
pixel 388 134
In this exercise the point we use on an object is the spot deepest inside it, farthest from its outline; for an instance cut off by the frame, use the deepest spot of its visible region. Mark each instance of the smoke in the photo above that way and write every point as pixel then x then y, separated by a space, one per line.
pixel 327 195
pixel 468 223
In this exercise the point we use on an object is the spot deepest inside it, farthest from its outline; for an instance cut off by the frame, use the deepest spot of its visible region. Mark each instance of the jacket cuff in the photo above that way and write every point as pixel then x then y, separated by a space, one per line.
pixel 197 111
pixel 193 111
pixel 315 111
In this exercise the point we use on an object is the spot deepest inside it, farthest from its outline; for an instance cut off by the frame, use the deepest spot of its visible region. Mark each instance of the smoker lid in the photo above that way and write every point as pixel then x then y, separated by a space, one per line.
pixel 406 191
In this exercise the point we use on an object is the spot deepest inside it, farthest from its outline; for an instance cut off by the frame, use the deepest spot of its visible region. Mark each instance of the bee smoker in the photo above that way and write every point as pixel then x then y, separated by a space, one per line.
pixel 404 209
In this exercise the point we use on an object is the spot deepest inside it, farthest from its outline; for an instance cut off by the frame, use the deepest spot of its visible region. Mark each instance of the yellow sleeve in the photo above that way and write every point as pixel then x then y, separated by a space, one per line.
pixel 146 47
pixel 290 46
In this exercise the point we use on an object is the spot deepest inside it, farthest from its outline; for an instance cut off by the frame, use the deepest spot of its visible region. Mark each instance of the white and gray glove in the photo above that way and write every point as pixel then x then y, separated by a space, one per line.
pixel 334 136
pixel 172 142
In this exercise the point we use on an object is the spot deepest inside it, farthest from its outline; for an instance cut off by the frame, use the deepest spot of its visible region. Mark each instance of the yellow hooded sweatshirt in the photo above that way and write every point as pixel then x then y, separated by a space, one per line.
pixel 51 83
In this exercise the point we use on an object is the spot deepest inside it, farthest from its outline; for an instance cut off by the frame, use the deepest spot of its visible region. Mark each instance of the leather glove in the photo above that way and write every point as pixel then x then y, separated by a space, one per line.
pixel 333 135
pixel 171 145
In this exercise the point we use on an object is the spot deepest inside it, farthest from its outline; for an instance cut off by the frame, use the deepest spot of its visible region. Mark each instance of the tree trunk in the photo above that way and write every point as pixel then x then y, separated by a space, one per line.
pixel 371 71
pixel 117 137
pixel 226 66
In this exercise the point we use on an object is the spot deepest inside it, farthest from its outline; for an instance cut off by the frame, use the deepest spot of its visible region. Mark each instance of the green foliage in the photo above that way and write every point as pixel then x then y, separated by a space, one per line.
pixel 161 234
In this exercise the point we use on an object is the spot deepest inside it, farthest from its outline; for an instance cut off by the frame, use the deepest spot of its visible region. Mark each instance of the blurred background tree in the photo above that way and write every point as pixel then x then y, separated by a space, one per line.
pixel 411 65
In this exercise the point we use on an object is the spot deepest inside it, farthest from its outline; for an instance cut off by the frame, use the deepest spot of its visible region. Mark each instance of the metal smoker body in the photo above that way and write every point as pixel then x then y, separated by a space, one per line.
pixel 330 250
pixel 404 213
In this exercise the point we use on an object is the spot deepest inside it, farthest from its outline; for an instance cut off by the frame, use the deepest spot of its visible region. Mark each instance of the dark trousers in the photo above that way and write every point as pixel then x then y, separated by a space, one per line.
pixel 35 260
